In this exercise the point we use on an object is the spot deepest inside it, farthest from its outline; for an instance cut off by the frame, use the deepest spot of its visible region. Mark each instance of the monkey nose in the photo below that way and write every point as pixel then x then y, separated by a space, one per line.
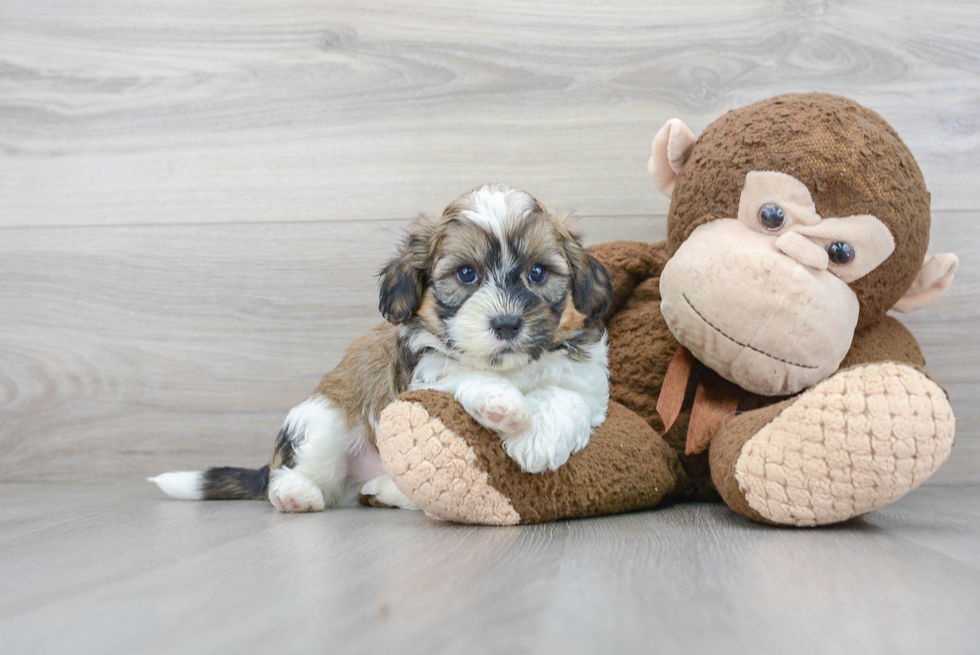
pixel 806 252
pixel 506 327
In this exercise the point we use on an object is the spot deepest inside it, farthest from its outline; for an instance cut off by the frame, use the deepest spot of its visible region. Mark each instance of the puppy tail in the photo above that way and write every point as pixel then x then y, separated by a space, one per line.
pixel 224 483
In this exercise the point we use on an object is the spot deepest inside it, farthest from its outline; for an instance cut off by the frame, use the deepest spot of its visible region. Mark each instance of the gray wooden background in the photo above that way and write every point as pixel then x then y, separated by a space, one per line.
pixel 195 195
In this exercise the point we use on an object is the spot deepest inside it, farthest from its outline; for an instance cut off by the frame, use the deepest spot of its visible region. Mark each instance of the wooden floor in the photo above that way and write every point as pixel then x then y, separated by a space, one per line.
pixel 194 198
pixel 118 569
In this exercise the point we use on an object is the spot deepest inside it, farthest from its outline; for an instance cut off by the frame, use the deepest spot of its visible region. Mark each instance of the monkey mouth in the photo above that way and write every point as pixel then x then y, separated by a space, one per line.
pixel 737 342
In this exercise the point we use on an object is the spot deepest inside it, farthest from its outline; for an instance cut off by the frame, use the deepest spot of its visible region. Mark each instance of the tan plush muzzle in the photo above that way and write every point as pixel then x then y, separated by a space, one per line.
pixel 758 317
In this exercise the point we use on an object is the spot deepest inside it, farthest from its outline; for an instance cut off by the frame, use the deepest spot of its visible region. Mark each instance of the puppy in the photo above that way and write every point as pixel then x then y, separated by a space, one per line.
pixel 495 301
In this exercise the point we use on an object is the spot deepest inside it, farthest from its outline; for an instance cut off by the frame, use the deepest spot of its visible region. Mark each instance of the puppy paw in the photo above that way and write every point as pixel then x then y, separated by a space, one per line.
pixel 540 450
pixel 291 492
pixel 504 412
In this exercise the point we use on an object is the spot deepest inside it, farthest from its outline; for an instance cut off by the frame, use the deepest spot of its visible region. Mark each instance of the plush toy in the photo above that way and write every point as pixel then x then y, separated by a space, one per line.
pixel 751 356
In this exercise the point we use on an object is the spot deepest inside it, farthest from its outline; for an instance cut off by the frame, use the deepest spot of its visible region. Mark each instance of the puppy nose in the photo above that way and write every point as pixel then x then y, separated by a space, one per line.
pixel 506 327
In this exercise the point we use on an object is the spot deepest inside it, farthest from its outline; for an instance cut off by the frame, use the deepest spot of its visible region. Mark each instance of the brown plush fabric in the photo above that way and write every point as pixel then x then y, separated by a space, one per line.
pixel 887 340
pixel 629 263
pixel 641 347
pixel 855 442
pixel 851 160
pixel 625 467
pixel 727 446
pixel 852 163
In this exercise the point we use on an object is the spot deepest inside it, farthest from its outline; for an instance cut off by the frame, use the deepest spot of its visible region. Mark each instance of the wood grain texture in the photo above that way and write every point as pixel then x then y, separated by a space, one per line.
pixel 194 196
pixel 950 339
pixel 119 569
pixel 120 112
pixel 126 351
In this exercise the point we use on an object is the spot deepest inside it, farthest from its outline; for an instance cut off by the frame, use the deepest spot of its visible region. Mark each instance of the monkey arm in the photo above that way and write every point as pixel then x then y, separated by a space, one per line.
pixel 629 263
pixel 885 341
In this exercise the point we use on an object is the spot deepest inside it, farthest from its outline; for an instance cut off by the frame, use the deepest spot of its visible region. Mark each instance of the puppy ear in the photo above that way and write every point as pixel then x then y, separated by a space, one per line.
pixel 402 281
pixel 592 290
pixel 400 288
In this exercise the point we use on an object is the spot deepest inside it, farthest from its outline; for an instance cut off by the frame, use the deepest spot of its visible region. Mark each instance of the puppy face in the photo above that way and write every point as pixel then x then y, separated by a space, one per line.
pixel 496 281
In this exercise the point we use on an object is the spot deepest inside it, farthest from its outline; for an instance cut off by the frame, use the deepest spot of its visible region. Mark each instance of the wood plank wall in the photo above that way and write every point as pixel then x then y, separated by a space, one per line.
pixel 195 195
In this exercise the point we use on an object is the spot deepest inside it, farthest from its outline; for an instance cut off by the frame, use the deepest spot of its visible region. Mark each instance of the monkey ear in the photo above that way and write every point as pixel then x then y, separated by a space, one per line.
pixel 931 283
pixel 671 148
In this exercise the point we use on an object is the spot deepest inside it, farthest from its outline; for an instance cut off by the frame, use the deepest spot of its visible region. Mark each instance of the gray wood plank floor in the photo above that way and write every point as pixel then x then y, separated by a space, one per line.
pixel 118 569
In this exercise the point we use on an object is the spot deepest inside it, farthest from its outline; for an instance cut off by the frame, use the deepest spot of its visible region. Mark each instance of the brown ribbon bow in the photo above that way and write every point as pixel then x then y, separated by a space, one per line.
pixel 715 399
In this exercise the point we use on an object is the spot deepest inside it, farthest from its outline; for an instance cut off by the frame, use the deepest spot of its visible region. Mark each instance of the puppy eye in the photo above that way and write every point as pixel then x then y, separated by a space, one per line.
pixel 840 252
pixel 537 275
pixel 467 275
pixel 771 216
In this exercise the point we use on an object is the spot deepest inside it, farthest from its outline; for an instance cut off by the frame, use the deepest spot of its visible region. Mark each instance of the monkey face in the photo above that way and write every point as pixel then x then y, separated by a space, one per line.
pixel 760 287
pixel 757 317
pixel 764 299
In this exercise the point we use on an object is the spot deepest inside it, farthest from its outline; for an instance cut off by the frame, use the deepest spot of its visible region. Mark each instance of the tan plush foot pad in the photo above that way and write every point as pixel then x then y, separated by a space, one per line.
pixel 853 443
pixel 437 470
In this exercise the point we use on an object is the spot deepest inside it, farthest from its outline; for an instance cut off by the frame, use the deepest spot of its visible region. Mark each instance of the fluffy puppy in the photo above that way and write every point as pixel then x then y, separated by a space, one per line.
pixel 495 301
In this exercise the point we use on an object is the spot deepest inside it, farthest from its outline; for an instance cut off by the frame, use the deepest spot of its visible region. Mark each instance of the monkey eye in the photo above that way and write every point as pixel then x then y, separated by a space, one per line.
pixel 467 275
pixel 771 216
pixel 840 252
pixel 538 274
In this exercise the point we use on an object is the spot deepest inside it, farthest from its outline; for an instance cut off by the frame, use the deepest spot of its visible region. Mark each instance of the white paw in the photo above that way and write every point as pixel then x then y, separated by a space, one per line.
pixel 504 412
pixel 540 450
pixel 291 492
pixel 384 491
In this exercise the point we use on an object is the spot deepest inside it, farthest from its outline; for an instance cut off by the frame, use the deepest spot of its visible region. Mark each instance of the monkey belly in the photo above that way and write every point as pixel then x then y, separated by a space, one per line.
pixel 640 349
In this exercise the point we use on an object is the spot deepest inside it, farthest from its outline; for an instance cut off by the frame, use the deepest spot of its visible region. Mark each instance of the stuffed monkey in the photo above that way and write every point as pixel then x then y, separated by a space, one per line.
pixel 751 357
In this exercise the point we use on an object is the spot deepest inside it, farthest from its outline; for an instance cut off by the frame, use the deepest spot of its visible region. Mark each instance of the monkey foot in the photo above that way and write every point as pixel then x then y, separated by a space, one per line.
pixel 855 442
pixel 437 469
pixel 457 470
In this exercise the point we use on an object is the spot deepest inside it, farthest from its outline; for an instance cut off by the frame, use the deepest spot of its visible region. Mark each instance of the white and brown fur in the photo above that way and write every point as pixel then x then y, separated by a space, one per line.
pixel 542 385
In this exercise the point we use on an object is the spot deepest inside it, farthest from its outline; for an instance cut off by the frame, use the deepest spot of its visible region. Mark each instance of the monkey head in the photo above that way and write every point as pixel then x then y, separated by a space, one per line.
pixel 793 222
